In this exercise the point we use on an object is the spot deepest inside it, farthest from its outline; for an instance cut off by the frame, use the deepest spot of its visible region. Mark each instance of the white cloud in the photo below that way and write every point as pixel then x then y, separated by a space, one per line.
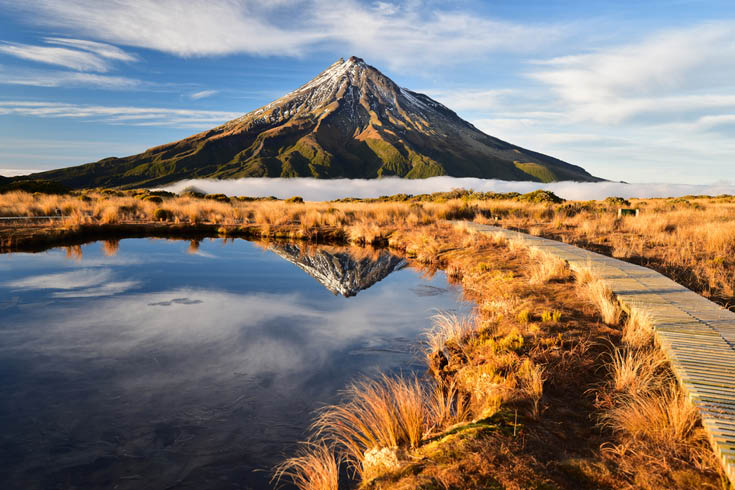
pixel 13 172
pixel 321 190
pixel 81 278
pixel 203 94
pixel 385 8
pixel 671 72
pixel 710 123
pixel 106 289
pixel 471 99
pixel 696 152
pixel 397 34
pixel 75 54
pixel 101 49
pixel 498 126
pixel 45 78
pixel 192 28
pixel 414 34
pixel 81 283
pixel 136 116
pixel 69 58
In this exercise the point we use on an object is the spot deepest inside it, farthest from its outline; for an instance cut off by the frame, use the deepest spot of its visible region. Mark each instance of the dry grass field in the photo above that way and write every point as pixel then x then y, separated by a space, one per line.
pixel 547 385
pixel 690 240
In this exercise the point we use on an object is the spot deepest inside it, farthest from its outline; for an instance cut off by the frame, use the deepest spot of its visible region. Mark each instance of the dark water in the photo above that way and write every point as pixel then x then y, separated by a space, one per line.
pixel 160 365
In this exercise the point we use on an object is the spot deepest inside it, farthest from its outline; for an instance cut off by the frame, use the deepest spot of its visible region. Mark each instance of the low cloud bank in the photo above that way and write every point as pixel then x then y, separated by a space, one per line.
pixel 324 190
pixel 14 172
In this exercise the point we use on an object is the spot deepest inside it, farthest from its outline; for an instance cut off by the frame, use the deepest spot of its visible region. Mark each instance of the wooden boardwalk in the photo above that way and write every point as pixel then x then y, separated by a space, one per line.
pixel 698 336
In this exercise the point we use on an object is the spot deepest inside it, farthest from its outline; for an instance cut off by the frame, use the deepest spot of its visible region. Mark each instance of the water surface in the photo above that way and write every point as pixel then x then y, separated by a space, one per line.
pixel 169 364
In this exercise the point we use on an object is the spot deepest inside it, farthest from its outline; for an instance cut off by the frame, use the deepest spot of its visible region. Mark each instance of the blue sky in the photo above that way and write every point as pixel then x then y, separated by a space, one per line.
pixel 634 91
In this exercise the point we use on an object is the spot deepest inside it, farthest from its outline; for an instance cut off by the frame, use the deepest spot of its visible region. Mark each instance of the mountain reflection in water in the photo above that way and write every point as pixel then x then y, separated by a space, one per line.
pixel 341 270
pixel 161 364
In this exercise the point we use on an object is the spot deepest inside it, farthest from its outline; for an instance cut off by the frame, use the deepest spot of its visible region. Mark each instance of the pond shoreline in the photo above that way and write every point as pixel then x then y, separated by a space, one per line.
pixel 516 394
pixel 25 238
pixel 208 308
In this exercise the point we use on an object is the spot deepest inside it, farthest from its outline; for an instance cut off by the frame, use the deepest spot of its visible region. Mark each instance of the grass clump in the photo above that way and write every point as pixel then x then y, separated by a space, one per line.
pixel 459 212
pixel 545 267
pixel 663 420
pixel 551 316
pixel 636 371
pixel 388 412
pixel 638 330
pixel 151 198
pixel 600 295
pixel 314 467
pixel 161 214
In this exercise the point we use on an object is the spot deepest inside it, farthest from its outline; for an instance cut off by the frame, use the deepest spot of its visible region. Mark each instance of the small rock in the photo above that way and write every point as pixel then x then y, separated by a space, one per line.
pixel 379 461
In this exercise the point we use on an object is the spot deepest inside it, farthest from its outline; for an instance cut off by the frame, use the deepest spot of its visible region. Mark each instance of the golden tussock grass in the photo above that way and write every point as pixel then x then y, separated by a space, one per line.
pixel 387 412
pixel 636 371
pixel 663 421
pixel 601 296
pixel 448 407
pixel 314 467
pixel 638 331
pixel 531 377
pixel 545 267
pixel 449 329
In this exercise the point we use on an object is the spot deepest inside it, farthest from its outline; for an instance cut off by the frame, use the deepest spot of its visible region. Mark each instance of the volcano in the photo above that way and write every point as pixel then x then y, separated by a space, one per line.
pixel 351 121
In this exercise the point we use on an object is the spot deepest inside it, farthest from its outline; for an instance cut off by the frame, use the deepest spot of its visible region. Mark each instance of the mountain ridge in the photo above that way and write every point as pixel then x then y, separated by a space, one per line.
pixel 350 121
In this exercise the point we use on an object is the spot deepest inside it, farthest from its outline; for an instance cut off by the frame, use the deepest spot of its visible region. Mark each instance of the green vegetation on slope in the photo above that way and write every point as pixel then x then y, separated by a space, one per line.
pixel 537 171
pixel 350 122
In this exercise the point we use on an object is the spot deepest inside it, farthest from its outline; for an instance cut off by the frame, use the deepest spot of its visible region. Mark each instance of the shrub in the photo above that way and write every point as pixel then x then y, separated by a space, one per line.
pixel 217 197
pixel 456 212
pixel 192 191
pixel 540 196
pixel 617 201
pixel 161 193
pixel 295 199
pixel 161 214
pixel 572 209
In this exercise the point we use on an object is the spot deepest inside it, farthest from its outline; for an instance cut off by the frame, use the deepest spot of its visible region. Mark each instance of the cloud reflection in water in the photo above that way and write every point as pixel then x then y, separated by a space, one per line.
pixel 208 369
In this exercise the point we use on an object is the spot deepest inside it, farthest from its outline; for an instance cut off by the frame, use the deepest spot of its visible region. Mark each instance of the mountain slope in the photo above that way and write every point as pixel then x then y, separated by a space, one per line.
pixel 350 121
